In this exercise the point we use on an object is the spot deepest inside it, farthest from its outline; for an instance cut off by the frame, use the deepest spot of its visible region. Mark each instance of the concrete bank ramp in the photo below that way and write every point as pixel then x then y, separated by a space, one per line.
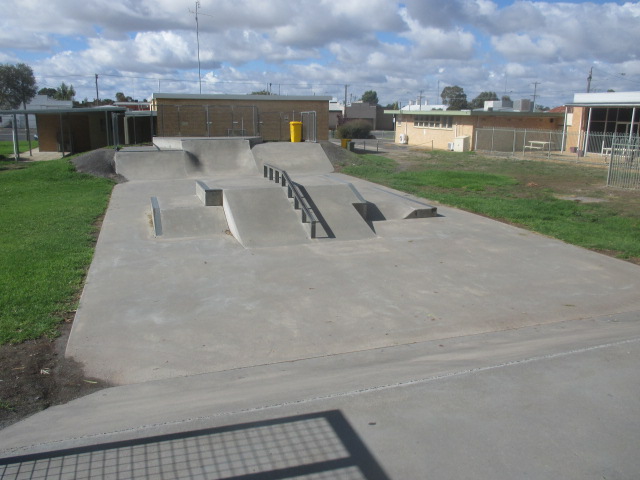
pixel 195 158
pixel 150 164
pixel 340 211
pixel 263 217
pixel 215 157
pixel 295 158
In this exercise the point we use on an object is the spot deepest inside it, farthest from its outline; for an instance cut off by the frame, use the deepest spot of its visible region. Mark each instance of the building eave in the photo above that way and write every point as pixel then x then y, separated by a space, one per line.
pixel 475 113
pixel 58 111
pixel 606 105
pixel 281 98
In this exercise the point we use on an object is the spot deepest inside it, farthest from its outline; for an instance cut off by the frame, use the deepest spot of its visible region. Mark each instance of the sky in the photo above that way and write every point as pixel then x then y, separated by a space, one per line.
pixel 405 51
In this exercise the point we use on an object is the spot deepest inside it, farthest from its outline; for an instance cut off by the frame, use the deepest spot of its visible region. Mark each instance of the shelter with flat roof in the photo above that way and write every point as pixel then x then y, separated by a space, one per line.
pixel 74 130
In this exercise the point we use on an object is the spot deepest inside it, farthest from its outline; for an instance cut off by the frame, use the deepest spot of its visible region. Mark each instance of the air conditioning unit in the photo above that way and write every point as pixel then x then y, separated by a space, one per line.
pixel 403 139
pixel 450 146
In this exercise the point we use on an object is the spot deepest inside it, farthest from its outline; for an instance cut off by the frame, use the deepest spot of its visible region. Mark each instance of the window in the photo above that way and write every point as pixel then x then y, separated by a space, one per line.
pixel 436 121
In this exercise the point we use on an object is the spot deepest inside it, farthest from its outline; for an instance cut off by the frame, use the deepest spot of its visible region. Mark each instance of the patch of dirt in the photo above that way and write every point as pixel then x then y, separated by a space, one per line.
pixel 337 155
pixel 100 163
pixel 35 376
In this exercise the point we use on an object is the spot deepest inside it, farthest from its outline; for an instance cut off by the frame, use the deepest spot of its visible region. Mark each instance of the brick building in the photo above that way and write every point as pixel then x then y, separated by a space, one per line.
pixel 267 116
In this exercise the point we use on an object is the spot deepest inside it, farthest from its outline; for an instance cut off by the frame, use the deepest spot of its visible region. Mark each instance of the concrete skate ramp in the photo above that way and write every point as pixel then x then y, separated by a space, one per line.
pixel 230 156
pixel 387 205
pixel 334 207
pixel 263 217
pixel 295 158
pixel 150 164
pixel 188 217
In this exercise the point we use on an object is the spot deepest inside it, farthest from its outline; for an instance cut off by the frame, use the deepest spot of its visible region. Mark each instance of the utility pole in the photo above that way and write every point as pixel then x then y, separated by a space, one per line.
pixel 198 43
pixel 345 100
pixel 589 80
pixel 535 89
pixel 97 94
pixel 420 100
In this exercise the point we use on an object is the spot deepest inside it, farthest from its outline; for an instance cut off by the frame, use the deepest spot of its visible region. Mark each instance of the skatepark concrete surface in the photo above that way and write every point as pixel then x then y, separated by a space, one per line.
pixel 392 345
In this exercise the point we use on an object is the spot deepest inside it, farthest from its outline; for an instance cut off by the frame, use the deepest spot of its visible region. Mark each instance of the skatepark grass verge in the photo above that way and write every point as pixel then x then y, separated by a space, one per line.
pixel 47 214
pixel 522 193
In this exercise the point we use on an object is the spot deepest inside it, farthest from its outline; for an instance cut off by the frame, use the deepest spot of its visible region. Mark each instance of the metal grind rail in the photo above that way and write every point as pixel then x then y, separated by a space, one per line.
pixel 281 177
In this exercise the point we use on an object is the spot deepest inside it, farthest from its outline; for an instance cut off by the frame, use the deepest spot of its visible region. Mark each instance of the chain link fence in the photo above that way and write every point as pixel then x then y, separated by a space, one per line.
pixel 619 152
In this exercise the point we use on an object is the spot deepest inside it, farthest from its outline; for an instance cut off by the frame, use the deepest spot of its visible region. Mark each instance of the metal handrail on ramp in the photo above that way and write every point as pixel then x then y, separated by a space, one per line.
pixel 281 177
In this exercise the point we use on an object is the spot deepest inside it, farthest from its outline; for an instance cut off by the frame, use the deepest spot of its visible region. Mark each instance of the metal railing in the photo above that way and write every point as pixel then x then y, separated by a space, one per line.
pixel 281 177
pixel 624 163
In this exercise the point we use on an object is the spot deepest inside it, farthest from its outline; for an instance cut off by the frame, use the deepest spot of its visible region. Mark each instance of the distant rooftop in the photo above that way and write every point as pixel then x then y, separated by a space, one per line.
pixel 425 108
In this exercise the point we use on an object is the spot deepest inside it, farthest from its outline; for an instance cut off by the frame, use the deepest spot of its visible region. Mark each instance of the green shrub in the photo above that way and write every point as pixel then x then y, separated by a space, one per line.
pixel 354 129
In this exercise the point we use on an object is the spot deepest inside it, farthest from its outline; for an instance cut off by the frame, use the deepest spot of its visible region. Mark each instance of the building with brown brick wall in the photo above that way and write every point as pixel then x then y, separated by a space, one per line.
pixel 440 129
pixel 266 116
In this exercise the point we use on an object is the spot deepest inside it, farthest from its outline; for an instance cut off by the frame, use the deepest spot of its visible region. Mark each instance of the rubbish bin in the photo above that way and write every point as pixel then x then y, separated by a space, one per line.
pixel 296 131
pixel 344 142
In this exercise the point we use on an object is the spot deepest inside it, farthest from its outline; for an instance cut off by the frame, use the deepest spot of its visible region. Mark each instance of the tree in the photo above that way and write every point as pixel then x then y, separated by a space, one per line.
pixel 478 102
pixel 392 106
pixel 261 92
pixel 65 92
pixel 121 97
pixel 454 97
pixel 17 85
pixel 49 92
pixel 370 97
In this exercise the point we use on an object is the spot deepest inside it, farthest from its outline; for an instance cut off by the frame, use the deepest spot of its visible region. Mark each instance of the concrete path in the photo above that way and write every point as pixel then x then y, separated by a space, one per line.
pixel 444 347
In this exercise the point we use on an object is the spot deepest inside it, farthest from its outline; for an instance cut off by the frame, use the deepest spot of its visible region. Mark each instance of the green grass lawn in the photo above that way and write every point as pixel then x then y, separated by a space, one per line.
pixel 524 193
pixel 6 148
pixel 47 211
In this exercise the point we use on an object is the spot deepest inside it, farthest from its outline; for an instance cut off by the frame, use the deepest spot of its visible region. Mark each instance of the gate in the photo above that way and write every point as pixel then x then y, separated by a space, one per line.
pixel 624 163
pixel 309 126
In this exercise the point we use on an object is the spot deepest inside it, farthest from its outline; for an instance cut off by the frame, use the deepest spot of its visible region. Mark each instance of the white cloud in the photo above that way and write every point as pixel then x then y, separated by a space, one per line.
pixel 395 47
pixel 436 43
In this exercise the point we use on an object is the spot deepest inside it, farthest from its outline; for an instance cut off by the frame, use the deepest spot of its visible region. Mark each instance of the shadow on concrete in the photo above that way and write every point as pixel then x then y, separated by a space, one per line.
pixel 322 444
